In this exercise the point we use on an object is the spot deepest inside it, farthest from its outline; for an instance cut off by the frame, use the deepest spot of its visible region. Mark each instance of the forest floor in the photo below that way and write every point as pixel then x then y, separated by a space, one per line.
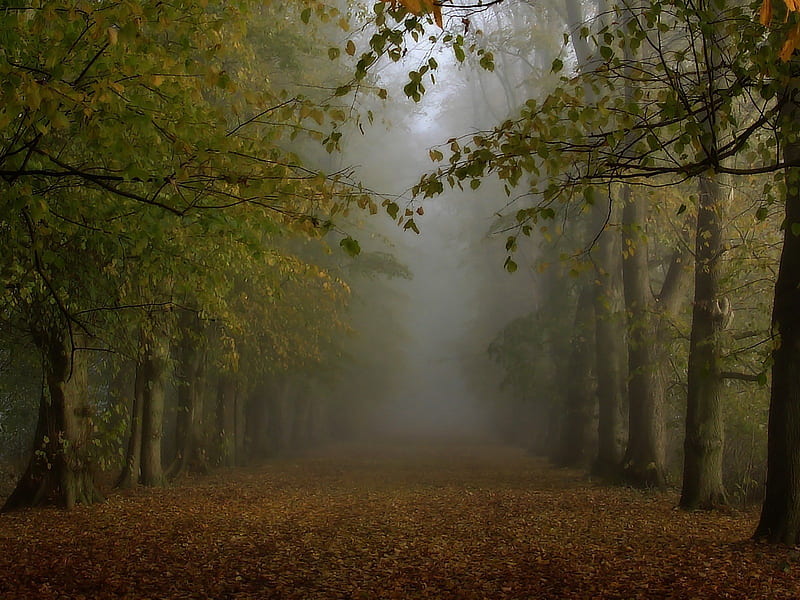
pixel 453 521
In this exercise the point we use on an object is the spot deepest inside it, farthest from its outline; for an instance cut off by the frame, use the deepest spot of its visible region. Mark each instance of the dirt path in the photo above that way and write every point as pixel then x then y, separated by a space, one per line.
pixel 371 523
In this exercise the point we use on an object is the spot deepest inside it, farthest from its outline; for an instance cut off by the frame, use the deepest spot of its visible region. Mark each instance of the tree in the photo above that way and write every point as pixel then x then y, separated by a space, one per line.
pixel 780 514
pixel 634 137
pixel 122 136
pixel 60 467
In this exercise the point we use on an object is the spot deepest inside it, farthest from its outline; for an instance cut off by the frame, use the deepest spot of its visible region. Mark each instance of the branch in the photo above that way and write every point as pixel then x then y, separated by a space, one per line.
pixel 739 376
pixel 102 181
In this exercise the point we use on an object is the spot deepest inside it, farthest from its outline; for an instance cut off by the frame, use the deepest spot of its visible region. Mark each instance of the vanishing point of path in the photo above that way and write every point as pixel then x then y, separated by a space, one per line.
pixel 448 521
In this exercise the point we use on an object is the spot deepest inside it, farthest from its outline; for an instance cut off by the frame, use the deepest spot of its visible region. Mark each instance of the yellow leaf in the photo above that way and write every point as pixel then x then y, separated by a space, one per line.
pixel 766 12
pixel 791 44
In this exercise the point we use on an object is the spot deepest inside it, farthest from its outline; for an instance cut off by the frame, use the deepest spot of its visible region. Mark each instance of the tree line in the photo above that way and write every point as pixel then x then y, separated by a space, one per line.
pixel 156 204
pixel 170 294
pixel 694 101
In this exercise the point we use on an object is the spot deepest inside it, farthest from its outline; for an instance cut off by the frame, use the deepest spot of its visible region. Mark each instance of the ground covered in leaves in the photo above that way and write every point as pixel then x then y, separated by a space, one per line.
pixel 451 521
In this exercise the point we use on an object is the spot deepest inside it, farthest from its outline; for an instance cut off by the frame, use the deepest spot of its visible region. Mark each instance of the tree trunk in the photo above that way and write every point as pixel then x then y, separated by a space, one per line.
pixel 608 342
pixel 226 419
pixel 256 442
pixel 576 435
pixel 609 346
pixel 278 425
pixel 189 452
pixel 60 469
pixel 131 472
pixel 240 428
pixel 703 444
pixel 301 415
pixel 780 513
pixel 644 461
pixel 153 365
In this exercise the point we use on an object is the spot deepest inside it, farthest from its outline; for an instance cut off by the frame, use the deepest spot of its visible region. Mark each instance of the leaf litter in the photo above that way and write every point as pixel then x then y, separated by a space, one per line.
pixel 354 522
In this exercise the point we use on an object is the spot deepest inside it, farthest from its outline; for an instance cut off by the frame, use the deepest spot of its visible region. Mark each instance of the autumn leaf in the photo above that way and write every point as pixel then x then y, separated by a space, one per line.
pixel 791 43
pixel 421 7
pixel 382 521
pixel 765 16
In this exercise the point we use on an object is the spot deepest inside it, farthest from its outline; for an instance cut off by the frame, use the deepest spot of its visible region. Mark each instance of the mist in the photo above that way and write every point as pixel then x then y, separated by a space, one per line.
pixel 399 299
pixel 439 381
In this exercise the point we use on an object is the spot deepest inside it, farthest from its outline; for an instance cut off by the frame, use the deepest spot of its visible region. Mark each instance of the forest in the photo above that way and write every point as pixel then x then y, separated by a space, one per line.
pixel 400 299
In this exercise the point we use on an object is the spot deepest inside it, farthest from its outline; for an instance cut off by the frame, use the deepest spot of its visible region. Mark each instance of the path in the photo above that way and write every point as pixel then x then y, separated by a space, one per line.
pixel 452 521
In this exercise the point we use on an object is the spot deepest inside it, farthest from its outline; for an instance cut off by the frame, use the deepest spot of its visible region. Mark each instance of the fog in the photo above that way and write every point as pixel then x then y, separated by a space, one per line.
pixel 432 376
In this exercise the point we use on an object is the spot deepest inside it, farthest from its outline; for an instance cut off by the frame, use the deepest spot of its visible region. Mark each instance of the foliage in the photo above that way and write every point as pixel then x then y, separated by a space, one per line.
pixel 587 133
pixel 127 137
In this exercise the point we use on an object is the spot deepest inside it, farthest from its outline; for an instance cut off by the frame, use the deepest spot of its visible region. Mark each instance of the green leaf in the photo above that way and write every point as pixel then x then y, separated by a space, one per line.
pixel 305 16
pixel 510 265
pixel 350 246
pixel 411 225
pixel 558 64
pixel 342 90
pixel 392 208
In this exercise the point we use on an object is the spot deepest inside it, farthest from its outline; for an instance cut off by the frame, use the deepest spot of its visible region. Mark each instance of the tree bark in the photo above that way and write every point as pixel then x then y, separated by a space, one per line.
pixel 189 451
pixel 60 469
pixel 131 472
pixel 576 435
pixel 226 419
pixel 278 423
pixel 703 444
pixel 256 438
pixel 644 461
pixel 780 513
pixel 609 346
pixel 153 366
pixel 240 428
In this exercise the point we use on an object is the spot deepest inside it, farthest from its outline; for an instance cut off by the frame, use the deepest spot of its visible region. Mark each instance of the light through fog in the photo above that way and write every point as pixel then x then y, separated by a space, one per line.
pixel 459 296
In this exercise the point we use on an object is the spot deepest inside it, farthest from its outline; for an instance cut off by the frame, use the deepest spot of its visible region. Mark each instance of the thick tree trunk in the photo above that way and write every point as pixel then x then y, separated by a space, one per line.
pixel 644 461
pixel 131 472
pixel 609 346
pixel 60 470
pixel 703 444
pixel 780 513
pixel 577 441
pixel 153 365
